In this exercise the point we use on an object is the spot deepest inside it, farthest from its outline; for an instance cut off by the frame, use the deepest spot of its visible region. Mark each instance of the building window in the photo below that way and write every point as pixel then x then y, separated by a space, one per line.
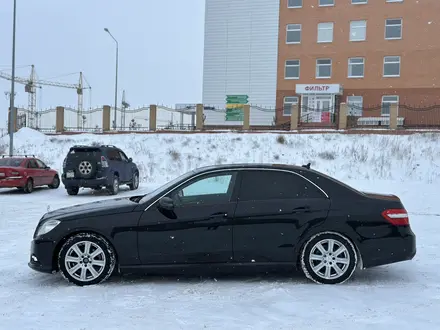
pixel 292 69
pixel 356 2
pixel 393 28
pixel 391 66
pixel 325 32
pixel 358 30
pixel 356 67
pixel 394 0
pixel 289 101
pixel 387 100
pixel 293 33
pixel 323 68
pixel 355 105
pixel 326 2
pixel 295 3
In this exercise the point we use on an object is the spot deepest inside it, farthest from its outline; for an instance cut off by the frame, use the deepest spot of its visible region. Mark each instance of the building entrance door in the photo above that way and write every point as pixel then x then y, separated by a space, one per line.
pixel 318 107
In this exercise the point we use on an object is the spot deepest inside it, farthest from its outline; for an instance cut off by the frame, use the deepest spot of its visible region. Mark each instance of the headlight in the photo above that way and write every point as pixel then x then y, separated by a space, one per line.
pixel 47 226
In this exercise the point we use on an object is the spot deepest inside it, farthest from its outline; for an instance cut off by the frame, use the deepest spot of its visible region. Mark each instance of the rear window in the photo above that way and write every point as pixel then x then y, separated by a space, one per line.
pixel 10 162
pixel 84 152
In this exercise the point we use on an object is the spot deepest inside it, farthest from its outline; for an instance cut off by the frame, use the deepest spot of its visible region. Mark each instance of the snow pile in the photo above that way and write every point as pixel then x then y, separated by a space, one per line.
pixel 162 157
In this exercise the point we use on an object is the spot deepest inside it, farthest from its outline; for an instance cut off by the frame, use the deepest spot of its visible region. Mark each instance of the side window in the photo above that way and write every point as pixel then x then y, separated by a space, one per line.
pixel 40 163
pixel 267 185
pixel 123 157
pixel 114 155
pixel 32 164
pixel 210 189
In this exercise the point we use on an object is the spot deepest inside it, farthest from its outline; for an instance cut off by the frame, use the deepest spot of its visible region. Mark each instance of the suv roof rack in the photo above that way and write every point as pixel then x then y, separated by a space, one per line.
pixel 108 146
pixel 25 156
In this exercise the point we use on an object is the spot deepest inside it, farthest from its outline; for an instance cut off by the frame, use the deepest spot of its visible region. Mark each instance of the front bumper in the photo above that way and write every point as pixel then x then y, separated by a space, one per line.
pixel 41 256
pixel 384 251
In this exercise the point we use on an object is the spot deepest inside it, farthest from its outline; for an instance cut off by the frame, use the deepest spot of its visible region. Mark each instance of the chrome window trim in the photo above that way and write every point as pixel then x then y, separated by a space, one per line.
pixel 237 169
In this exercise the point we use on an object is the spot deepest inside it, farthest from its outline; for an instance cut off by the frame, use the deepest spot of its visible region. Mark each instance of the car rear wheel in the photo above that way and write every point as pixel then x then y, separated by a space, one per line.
pixel 72 191
pixel 328 258
pixel 134 181
pixel 55 182
pixel 29 186
pixel 86 259
pixel 114 188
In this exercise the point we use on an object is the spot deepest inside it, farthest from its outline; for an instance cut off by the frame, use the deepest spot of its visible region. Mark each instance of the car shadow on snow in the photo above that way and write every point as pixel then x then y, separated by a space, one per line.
pixel 18 192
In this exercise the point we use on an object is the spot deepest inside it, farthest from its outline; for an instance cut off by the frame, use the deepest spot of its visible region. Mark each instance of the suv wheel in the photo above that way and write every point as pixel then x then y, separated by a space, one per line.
pixel 86 259
pixel 114 188
pixel 72 191
pixel 134 181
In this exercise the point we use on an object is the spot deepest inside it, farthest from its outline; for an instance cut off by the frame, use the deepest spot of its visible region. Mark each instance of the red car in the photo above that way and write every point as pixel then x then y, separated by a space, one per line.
pixel 25 172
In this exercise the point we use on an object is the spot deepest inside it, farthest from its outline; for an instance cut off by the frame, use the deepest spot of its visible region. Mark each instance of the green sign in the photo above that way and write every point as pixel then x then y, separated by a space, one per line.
pixel 234 107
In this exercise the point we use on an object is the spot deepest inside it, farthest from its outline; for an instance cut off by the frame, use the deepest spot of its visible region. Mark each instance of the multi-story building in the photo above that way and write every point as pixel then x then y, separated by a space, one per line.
pixel 362 52
pixel 368 53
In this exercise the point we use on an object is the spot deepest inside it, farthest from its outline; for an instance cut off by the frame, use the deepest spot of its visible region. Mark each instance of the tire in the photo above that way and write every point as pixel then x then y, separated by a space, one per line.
pixel 134 181
pixel 77 269
pixel 55 182
pixel 114 188
pixel 72 191
pixel 86 168
pixel 29 186
pixel 345 261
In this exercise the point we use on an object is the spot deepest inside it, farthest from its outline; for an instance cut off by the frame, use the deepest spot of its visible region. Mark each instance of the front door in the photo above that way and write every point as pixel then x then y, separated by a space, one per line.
pixel 197 230
pixel 274 209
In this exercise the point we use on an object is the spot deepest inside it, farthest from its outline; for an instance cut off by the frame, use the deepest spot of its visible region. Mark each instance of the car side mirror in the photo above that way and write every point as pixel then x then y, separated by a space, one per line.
pixel 166 203
pixel 47 167
pixel 130 160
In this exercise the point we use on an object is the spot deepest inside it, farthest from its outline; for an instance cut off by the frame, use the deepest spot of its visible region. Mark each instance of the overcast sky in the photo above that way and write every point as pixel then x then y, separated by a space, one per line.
pixel 160 50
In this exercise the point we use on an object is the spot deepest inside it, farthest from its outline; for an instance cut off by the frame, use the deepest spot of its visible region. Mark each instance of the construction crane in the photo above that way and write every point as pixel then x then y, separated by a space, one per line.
pixel 32 83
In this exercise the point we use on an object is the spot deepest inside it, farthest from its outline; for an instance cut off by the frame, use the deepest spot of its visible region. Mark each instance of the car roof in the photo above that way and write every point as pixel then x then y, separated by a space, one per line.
pixel 233 166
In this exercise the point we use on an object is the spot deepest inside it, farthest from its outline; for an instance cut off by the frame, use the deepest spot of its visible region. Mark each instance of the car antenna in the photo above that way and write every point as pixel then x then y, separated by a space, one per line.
pixel 307 166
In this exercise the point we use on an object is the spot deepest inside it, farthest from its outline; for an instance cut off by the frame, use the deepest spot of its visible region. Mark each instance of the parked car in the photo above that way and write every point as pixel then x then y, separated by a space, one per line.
pixel 26 173
pixel 228 217
pixel 97 167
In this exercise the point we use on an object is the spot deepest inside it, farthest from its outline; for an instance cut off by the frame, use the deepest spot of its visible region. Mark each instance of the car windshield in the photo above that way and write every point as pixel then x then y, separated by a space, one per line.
pixel 13 162
pixel 167 185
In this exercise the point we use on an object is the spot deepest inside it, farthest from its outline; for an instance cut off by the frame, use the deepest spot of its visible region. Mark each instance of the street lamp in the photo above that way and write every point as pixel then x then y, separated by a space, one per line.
pixel 12 95
pixel 116 77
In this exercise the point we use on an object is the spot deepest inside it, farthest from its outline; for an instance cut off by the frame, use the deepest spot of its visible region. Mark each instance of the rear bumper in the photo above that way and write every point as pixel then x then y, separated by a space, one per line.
pixel 41 256
pixel 86 183
pixel 12 182
pixel 383 251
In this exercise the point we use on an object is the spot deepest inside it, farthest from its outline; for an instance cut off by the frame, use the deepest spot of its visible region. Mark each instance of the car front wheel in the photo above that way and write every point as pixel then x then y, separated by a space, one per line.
pixel 86 259
pixel 328 258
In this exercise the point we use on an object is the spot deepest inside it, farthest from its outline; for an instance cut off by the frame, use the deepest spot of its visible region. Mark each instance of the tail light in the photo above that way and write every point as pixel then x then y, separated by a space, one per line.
pixel 397 217
pixel 104 162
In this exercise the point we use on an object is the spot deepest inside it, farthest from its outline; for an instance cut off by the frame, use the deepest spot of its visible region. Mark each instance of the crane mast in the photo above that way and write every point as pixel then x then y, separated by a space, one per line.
pixel 32 83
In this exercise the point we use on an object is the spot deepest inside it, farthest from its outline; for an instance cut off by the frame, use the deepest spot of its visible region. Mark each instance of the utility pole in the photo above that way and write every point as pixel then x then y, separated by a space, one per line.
pixel 12 94
pixel 116 77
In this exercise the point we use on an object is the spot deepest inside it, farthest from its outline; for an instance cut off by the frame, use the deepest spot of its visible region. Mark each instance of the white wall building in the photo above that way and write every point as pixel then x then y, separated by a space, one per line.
pixel 240 56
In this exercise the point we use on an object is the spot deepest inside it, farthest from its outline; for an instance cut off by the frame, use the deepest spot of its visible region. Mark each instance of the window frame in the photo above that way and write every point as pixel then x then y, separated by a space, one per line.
pixel 384 62
pixel 324 29
pixel 326 5
pixel 289 103
pixel 293 30
pixel 351 27
pixel 292 65
pixel 359 3
pixel 355 104
pixel 350 65
pixel 401 28
pixel 229 194
pixel 300 6
pixel 388 102
pixel 318 65
pixel 291 172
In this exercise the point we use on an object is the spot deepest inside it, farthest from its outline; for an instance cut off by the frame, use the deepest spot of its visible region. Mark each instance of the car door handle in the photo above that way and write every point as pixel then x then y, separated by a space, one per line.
pixel 301 209
pixel 220 215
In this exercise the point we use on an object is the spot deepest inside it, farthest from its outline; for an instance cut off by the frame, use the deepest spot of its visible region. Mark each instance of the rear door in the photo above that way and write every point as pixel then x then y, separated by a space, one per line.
pixel 274 208
pixel 34 172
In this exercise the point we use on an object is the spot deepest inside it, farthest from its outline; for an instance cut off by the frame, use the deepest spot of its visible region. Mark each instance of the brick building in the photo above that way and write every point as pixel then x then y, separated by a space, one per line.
pixel 368 53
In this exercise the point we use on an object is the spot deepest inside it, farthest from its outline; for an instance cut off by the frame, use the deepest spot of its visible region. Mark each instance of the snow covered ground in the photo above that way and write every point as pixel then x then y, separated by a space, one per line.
pixel 404 295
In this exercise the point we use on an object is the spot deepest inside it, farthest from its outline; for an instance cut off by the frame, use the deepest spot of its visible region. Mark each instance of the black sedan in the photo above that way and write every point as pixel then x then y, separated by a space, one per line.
pixel 228 217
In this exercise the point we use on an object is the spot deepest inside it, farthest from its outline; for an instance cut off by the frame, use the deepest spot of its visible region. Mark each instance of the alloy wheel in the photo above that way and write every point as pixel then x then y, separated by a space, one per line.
pixel 85 261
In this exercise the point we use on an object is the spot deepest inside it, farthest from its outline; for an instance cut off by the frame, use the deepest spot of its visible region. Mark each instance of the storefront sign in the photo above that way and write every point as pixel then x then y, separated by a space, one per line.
pixel 318 89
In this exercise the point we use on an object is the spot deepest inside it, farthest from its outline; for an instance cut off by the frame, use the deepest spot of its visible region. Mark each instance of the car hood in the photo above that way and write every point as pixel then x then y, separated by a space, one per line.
pixel 98 208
